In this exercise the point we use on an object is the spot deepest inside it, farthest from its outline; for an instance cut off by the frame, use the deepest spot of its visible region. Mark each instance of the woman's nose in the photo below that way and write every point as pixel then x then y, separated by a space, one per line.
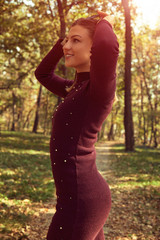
pixel 67 45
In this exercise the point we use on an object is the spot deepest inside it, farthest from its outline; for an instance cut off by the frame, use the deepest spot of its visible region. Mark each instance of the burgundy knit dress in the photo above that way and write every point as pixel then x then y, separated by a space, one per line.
pixel 83 196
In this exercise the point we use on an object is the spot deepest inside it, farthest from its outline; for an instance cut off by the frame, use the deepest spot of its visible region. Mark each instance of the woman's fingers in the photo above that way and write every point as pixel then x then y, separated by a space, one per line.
pixel 102 14
pixel 64 41
pixel 110 19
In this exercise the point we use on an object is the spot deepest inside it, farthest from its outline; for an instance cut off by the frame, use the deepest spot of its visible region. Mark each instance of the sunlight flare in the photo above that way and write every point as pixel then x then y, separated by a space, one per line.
pixel 149 12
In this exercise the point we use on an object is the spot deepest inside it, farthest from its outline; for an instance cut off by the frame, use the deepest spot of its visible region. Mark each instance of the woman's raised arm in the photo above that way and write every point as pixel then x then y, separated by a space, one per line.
pixel 104 56
pixel 45 72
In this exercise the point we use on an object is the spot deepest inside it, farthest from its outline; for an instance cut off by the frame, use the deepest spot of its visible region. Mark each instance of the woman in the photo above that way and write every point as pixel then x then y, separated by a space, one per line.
pixel 83 196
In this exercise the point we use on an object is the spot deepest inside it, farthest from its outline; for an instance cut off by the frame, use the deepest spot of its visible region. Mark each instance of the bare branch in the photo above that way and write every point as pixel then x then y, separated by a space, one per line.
pixel 49 4
pixel 73 3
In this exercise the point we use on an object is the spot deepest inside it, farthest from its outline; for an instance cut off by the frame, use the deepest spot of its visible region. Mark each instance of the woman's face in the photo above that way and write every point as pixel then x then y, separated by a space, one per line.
pixel 77 49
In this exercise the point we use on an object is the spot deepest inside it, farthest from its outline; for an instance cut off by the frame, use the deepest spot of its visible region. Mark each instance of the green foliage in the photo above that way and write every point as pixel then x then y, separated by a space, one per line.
pixel 29 29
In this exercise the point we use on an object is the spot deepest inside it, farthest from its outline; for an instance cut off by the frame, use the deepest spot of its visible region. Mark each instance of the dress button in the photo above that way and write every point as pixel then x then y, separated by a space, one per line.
pixel 70 198
pixel 53 139
pixel 73 98
pixel 54 163
pixel 61 180
pixel 72 138
pixel 65 160
pixel 70 113
pixel 69 154
pixel 56 150
pixel 76 90
pixel 52 117
pixel 61 208
pixel 61 228
pixel 66 124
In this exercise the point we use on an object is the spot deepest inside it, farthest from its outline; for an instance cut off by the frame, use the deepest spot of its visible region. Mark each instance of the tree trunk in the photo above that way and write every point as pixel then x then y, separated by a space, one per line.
pixel 111 132
pixel 62 20
pixel 27 118
pixel 35 126
pixel 128 121
pixel 143 115
pixel 13 112
pixel 62 33
pixel 155 118
pixel 101 133
pixel 46 116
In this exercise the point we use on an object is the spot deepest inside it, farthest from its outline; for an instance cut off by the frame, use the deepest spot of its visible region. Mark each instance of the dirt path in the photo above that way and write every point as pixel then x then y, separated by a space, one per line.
pixel 37 228
pixel 123 222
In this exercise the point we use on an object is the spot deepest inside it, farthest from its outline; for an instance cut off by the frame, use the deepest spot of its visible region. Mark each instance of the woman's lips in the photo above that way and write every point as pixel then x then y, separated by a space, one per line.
pixel 68 56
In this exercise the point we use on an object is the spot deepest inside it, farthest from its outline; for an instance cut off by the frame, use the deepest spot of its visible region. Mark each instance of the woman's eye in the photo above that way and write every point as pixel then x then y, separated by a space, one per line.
pixel 75 40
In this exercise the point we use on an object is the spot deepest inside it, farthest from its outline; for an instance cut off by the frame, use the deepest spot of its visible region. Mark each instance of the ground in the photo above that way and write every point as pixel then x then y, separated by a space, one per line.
pixel 131 216
pixel 27 202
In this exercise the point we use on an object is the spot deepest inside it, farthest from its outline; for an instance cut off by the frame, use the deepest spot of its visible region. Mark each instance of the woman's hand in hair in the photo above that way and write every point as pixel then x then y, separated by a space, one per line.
pixel 105 16
pixel 64 41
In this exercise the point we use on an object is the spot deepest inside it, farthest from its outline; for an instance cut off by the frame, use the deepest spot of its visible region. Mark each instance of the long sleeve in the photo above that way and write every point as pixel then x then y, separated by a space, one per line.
pixel 104 55
pixel 45 72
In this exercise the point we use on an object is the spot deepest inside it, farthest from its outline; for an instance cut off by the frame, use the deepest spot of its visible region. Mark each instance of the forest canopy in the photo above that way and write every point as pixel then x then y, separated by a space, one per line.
pixel 30 28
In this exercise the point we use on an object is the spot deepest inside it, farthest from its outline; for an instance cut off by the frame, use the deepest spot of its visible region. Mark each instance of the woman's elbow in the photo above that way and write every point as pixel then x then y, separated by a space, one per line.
pixel 36 73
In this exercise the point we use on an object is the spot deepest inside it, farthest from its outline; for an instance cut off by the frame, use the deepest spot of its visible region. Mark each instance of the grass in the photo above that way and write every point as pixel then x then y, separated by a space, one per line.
pixel 135 193
pixel 26 179
pixel 139 168
pixel 25 176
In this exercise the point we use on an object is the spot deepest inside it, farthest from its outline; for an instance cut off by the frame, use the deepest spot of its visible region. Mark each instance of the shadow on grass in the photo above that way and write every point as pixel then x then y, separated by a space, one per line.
pixel 117 148
pixel 25 167
pixel 25 177
pixel 24 140
pixel 143 160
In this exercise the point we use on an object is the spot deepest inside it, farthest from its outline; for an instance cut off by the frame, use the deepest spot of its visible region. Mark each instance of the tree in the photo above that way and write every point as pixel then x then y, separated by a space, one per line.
pixel 128 121
pixel 29 29
pixel 35 126
pixel 146 65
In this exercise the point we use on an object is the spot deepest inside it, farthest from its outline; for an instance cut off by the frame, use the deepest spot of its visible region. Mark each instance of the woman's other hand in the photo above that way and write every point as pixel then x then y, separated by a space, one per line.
pixel 64 41
pixel 105 16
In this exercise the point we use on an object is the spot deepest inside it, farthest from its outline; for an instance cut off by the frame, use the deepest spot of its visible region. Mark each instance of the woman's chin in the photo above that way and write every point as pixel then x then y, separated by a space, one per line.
pixel 67 64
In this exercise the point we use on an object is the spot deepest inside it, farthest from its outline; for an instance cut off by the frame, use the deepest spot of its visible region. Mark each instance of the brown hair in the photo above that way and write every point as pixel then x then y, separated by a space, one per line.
pixel 90 24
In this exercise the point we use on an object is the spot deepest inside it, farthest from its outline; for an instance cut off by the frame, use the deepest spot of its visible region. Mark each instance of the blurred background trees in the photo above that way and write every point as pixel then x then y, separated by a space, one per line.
pixel 29 29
